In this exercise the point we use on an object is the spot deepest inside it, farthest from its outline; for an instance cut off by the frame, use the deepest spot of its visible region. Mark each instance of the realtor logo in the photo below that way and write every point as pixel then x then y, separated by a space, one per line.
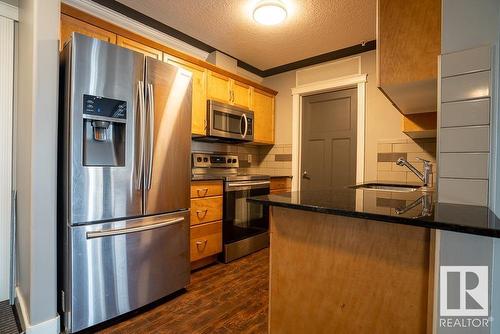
pixel 463 291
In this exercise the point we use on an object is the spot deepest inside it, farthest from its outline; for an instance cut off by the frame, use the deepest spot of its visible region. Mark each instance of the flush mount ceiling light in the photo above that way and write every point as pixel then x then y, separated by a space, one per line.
pixel 269 12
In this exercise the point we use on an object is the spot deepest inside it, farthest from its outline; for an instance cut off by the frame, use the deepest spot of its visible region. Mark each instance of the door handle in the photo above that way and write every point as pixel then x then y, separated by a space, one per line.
pixel 199 243
pixel 151 133
pixel 204 190
pixel 305 175
pixel 119 231
pixel 199 212
pixel 244 118
pixel 141 119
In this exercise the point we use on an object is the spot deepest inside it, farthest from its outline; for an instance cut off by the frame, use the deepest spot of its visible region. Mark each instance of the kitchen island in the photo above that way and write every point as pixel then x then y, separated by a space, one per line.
pixel 359 261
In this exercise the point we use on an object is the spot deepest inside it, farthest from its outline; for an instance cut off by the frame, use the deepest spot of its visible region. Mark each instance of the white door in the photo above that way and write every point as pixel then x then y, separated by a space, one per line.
pixel 6 108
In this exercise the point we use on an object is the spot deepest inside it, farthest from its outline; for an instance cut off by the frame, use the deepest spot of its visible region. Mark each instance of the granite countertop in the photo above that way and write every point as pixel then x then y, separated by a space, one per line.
pixel 416 208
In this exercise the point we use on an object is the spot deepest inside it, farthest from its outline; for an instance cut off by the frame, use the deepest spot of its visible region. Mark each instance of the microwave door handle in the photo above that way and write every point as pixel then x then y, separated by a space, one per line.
pixel 151 133
pixel 140 140
pixel 244 117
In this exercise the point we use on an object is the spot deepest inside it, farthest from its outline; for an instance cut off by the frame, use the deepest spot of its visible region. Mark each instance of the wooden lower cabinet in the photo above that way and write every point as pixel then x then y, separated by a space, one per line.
pixel 206 240
pixel 206 188
pixel 206 222
pixel 205 210
pixel 280 185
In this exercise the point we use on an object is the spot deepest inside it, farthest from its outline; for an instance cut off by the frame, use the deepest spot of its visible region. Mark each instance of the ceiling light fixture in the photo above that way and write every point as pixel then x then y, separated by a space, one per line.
pixel 269 12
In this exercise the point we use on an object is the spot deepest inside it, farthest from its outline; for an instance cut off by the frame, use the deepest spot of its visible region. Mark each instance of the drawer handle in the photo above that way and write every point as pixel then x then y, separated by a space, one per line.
pixel 204 190
pixel 199 243
pixel 198 212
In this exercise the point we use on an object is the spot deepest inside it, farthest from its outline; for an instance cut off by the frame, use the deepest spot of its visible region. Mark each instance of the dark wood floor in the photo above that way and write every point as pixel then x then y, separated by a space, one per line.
pixel 223 298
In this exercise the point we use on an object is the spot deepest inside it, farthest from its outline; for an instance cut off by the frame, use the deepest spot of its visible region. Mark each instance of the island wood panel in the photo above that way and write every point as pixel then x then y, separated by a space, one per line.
pixel 139 47
pixel 206 188
pixel 199 95
pixel 348 275
pixel 70 25
pixel 204 210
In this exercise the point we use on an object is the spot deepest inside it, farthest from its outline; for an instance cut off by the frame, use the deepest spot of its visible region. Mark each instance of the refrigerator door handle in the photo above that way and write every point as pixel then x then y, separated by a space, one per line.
pixel 141 116
pixel 120 231
pixel 151 108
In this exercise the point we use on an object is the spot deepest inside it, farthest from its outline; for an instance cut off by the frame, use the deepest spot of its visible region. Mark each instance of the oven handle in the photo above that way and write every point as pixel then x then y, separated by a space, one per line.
pixel 248 184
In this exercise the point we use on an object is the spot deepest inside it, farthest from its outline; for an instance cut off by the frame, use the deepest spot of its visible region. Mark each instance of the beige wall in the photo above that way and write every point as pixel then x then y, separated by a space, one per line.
pixel 383 121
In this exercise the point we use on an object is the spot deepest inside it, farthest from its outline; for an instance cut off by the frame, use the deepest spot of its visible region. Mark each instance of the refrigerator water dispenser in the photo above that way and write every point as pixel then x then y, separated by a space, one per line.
pixel 104 128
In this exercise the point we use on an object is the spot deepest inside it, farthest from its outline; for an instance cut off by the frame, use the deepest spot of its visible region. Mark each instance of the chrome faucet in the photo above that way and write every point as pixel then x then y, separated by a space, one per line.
pixel 425 176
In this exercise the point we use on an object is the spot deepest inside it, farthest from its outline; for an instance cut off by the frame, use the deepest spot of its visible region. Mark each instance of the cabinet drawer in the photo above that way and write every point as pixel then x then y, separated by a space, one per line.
pixel 280 183
pixel 204 210
pixel 206 240
pixel 206 188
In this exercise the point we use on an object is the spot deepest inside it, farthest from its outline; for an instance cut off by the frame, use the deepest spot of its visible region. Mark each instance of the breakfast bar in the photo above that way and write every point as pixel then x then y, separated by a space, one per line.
pixel 359 260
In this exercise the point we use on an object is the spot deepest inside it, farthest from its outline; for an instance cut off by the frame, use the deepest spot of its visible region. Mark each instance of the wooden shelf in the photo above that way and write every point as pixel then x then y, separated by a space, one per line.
pixel 420 125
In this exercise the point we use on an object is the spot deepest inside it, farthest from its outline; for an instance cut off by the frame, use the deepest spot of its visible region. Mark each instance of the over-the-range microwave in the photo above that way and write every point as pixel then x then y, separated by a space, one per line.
pixel 228 123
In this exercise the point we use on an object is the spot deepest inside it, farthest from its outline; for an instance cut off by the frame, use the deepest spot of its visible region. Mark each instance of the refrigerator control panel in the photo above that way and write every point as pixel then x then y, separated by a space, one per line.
pixel 102 106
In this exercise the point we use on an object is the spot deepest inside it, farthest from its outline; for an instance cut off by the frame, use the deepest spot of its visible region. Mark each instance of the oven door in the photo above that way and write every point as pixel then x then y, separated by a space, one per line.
pixel 243 219
pixel 229 122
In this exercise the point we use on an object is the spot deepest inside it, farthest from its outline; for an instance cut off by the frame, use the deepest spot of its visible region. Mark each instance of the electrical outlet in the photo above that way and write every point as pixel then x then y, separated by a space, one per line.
pixel 249 158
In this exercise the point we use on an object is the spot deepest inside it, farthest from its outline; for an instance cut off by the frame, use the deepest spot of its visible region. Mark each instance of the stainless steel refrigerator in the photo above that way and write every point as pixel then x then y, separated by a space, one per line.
pixel 124 180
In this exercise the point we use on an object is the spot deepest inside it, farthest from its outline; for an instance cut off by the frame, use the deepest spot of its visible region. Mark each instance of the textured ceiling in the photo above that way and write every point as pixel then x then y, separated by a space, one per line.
pixel 312 27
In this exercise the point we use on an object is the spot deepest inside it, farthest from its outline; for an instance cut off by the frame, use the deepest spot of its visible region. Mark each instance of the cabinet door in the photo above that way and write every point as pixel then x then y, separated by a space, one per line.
pixel 242 94
pixel 136 46
pixel 70 24
pixel 199 114
pixel 263 108
pixel 218 87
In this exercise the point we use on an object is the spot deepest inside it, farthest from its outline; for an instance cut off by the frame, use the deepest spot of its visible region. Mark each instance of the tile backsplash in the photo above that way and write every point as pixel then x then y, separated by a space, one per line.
pixel 388 152
pixel 270 160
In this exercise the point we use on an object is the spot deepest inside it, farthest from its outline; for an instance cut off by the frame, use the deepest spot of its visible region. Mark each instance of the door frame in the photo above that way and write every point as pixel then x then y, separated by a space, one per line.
pixel 352 81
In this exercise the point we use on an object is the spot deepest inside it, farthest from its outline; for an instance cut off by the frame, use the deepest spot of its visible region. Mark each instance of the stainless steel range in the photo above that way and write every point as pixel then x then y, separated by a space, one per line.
pixel 245 227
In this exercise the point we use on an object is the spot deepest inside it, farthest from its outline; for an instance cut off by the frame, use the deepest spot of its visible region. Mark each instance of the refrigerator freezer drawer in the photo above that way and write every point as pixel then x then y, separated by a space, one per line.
pixel 120 266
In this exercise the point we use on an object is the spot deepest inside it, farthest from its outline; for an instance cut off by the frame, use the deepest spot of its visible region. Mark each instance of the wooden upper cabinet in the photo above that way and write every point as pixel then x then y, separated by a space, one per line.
pixel 199 102
pixel 263 108
pixel 242 94
pixel 218 87
pixel 70 25
pixel 139 47
pixel 226 90
pixel 408 45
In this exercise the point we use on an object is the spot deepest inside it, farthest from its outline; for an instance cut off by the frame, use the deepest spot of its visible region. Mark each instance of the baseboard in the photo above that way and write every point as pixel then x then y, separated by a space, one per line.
pixel 50 326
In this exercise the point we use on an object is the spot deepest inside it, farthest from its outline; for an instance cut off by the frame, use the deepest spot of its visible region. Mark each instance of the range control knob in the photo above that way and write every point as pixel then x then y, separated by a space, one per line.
pixel 205 159
pixel 198 159
pixel 234 161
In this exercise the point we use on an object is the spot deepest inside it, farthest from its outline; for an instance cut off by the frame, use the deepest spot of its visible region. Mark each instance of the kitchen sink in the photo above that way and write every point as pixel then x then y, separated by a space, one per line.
pixel 387 187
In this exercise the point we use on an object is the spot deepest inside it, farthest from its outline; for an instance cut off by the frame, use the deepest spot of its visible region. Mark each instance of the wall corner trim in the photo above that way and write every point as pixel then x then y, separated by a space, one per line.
pixel 9 11
pixel 47 327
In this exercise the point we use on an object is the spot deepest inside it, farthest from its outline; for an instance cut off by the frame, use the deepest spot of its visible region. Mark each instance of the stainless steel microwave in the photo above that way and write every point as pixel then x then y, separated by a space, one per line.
pixel 229 123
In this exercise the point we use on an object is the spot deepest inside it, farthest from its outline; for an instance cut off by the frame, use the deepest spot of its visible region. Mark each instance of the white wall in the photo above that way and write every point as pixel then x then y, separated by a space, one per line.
pixel 383 121
pixel 36 167
pixel 6 113
pixel 470 24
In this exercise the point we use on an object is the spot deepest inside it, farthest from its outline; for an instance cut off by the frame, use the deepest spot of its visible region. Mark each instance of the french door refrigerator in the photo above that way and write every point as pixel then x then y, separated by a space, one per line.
pixel 124 181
